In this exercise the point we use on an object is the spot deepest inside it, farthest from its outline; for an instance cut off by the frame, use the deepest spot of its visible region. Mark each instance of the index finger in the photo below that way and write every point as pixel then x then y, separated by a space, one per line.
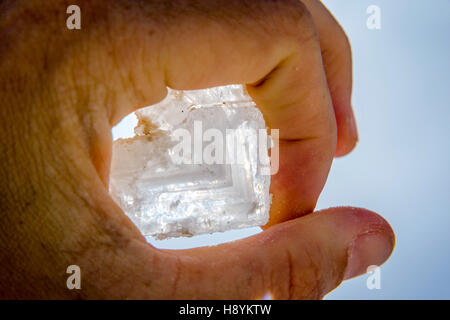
pixel 274 49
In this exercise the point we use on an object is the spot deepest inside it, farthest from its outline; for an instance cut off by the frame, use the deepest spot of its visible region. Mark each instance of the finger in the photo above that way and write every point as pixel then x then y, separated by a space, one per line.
pixel 300 259
pixel 270 46
pixel 286 79
pixel 304 258
pixel 337 59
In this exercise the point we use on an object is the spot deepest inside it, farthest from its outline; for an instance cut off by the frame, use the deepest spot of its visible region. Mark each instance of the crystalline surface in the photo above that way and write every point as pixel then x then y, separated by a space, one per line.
pixel 166 198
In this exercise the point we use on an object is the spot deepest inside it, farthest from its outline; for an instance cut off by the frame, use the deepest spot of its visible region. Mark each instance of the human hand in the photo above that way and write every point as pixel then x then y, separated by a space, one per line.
pixel 61 92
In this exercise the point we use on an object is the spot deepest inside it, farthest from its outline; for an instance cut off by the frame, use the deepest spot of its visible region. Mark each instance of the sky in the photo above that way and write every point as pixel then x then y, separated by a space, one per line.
pixel 400 168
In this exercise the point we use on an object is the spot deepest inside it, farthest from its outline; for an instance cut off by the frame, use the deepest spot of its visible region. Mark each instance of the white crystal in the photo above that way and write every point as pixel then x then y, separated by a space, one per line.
pixel 165 198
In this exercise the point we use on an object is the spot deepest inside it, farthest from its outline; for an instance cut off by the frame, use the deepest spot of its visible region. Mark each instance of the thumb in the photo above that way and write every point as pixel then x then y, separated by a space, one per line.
pixel 304 258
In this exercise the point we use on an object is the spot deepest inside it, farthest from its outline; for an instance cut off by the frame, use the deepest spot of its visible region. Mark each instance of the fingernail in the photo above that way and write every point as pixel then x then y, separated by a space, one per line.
pixel 352 126
pixel 370 248
pixel 348 138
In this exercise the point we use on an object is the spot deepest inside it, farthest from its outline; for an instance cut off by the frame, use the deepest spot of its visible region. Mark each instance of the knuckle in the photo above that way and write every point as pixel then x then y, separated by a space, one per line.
pixel 287 23
pixel 297 17
pixel 339 47
pixel 345 41
pixel 307 275
pixel 294 13
pixel 342 47
pixel 298 24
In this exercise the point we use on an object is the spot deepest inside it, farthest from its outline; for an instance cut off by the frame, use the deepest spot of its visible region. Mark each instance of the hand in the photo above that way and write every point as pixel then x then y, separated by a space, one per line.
pixel 61 92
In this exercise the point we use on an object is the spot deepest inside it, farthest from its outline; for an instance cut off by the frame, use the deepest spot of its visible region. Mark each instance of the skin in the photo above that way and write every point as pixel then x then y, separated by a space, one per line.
pixel 61 91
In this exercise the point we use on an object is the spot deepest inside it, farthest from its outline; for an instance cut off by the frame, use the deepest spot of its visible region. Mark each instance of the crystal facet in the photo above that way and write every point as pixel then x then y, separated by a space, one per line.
pixel 192 194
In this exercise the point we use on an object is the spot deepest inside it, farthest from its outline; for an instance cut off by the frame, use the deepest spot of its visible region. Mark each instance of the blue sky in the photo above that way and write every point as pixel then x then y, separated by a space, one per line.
pixel 401 165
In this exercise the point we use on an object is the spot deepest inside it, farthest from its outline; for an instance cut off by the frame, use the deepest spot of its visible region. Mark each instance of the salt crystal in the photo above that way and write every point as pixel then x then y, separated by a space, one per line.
pixel 173 189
